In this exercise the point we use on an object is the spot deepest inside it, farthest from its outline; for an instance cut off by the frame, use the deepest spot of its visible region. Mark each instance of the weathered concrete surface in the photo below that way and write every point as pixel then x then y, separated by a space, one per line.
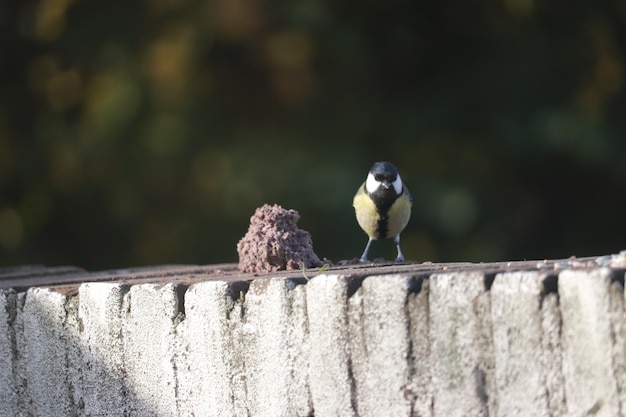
pixel 419 389
pixel 432 342
pixel 330 368
pixel 461 345
pixel 517 344
pixel 276 334
pixel 380 346
pixel 205 357
pixel 46 345
pixel 589 342
pixel 213 379
pixel 552 353
pixel 101 321
pixel 148 332
pixel 9 395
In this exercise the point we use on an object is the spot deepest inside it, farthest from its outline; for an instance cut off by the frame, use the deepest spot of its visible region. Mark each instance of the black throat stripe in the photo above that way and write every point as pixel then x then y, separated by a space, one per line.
pixel 383 200
pixel 382 227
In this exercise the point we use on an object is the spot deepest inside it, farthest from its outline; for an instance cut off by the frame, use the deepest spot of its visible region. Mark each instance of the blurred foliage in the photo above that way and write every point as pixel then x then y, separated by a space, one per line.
pixel 148 132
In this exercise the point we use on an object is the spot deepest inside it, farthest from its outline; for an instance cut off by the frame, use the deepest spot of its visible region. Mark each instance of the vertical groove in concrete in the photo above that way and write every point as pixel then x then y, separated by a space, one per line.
pixel 299 348
pixel 618 331
pixel 19 364
pixel 588 343
pixel 552 353
pixel 73 354
pixel 484 372
pixel 9 395
pixel 419 389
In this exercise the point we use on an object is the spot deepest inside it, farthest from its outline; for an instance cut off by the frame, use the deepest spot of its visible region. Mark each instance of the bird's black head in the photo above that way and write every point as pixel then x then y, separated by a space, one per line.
pixel 384 171
pixel 384 181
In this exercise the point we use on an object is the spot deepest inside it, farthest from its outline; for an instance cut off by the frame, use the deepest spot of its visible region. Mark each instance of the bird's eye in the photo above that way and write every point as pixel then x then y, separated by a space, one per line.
pixel 379 177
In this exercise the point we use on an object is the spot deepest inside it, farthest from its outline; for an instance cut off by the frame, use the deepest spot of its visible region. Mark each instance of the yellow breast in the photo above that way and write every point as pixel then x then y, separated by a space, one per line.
pixel 399 215
pixel 368 216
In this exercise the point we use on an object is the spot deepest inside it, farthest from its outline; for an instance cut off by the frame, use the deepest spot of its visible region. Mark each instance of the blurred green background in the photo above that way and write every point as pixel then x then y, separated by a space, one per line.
pixel 136 133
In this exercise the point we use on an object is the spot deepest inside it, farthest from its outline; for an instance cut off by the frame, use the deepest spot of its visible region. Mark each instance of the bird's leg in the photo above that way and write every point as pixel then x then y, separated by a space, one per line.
pixel 367 249
pixel 400 257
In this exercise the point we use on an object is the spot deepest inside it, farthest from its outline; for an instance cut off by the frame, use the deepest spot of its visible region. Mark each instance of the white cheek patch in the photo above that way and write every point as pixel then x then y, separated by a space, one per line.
pixel 397 185
pixel 371 184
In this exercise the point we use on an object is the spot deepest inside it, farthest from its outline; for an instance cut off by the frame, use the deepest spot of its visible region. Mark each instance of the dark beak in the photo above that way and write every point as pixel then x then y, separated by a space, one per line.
pixel 386 184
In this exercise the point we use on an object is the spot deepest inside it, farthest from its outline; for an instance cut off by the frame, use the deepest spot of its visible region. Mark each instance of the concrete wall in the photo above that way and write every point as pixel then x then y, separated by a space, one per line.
pixel 463 343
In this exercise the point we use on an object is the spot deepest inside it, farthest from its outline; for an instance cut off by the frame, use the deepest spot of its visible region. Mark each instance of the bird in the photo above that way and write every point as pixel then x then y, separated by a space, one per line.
pixel 382 206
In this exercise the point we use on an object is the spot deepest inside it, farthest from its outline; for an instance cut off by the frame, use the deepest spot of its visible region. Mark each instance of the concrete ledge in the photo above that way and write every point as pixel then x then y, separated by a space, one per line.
pixel 509 339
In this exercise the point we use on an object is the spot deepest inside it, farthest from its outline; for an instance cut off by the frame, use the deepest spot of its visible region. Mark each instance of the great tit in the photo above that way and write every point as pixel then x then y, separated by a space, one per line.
pixel 383 206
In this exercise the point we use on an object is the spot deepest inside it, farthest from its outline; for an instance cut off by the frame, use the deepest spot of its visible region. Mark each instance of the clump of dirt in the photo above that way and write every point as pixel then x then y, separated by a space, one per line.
pixel 274 242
